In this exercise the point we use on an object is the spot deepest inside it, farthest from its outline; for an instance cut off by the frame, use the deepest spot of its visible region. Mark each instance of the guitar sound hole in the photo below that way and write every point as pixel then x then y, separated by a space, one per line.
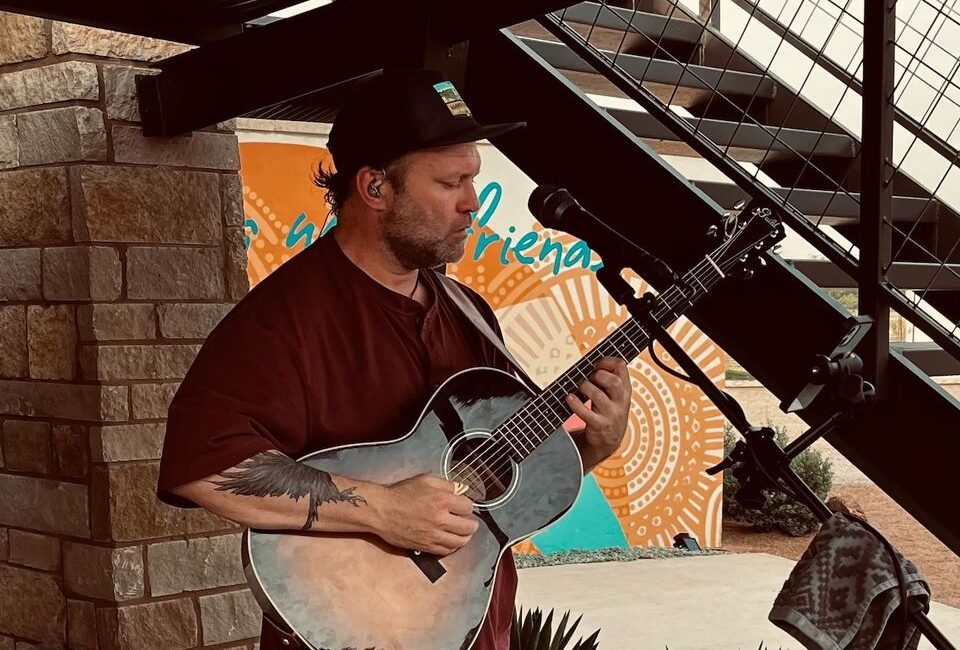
pixel 482 466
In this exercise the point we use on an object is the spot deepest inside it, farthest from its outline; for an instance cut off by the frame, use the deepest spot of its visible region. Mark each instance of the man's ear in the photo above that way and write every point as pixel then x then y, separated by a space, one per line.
pixel 370 185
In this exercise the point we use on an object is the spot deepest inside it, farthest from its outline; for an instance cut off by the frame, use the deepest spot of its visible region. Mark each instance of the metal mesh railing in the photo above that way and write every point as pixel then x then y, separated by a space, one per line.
pixel 770 95
pixel 926 106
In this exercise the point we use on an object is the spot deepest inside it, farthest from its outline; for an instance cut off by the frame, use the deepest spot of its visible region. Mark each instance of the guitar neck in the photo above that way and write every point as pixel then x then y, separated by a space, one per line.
pixel 526 429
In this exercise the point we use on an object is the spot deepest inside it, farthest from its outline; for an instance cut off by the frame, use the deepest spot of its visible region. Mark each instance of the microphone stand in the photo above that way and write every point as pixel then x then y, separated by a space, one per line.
pixel 758 461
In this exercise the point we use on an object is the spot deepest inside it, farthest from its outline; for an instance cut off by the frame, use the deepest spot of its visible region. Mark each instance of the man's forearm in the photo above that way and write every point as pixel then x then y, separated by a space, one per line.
pixel 271 491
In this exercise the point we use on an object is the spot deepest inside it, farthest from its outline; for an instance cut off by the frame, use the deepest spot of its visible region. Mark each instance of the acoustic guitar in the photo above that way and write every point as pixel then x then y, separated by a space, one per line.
pixel 484 429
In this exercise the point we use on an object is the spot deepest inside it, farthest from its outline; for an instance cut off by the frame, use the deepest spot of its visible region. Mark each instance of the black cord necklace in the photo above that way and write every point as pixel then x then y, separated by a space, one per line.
pixel 415 285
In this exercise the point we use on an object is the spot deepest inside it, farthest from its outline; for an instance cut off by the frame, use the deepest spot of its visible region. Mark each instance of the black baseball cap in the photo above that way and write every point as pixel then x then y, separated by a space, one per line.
pixel 401 111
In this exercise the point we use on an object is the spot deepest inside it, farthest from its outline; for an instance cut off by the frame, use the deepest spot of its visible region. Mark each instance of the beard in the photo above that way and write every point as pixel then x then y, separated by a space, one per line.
pixel 416 245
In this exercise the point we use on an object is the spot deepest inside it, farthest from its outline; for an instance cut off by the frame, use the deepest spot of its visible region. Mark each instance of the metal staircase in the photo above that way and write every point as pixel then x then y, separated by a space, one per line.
pixel 642 86
pixel 684 65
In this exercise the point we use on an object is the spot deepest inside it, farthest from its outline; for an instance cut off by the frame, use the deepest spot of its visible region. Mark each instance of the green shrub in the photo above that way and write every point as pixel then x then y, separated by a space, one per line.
pixel 781 513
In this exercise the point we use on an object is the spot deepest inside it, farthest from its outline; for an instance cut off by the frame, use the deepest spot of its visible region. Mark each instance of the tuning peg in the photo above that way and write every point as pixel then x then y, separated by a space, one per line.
pixel 729 225
pixel 762 261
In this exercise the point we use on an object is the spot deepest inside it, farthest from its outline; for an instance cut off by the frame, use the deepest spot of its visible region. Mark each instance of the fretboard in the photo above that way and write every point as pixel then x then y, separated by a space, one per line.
pixel 523 431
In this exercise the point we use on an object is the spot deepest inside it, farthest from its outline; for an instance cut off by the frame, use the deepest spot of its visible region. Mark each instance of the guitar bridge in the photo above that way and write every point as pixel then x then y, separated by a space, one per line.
pixel 428 564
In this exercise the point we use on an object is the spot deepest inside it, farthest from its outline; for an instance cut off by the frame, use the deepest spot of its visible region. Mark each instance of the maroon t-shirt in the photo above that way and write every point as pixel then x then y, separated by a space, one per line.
pixel 317 355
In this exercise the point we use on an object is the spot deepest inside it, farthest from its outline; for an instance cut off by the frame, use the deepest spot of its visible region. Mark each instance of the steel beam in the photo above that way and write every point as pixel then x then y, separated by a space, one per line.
pixel 276 62
pixel 879 34
pixel 281 60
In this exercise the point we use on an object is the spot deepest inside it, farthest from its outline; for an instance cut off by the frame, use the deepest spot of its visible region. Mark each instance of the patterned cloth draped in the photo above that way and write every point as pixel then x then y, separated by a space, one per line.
pixel 845 592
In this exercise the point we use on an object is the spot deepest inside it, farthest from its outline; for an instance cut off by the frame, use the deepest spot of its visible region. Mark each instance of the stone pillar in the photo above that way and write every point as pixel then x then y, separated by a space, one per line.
pixel 118 254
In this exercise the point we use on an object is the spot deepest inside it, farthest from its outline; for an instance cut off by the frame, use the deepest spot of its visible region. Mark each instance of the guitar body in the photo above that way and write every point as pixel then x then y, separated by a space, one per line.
pixel 353 591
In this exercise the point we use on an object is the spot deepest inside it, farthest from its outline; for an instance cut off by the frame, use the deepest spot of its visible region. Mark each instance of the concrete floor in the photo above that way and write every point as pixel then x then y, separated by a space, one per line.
pixel 697 603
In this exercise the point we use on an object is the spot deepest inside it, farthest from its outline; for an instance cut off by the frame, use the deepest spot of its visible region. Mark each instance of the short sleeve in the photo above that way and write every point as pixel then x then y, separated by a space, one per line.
pixel 244 394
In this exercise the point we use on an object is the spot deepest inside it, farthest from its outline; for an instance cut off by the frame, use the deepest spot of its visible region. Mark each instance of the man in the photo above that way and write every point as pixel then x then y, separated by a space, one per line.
pixel 345 342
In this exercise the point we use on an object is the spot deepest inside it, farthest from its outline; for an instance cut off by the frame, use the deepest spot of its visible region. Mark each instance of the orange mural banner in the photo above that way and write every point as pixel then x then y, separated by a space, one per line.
pixel 285 212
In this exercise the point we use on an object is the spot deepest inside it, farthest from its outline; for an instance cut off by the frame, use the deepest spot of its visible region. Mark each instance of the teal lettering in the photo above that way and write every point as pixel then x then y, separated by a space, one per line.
pixel 254 230
pixel 493 188
pixel 525 242
pixel 506 246
pixel 484 241
pixel 330 224
pixel 556 247
pixel 578 251
pixel 489 199
pixel 297 233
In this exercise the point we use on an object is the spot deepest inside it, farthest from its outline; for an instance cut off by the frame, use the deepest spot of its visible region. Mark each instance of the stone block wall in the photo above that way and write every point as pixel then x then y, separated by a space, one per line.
pixel 118 255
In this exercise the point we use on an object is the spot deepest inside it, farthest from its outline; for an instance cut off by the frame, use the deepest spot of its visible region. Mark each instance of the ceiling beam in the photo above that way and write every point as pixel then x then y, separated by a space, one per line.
pixel 312 51
pixel 171 22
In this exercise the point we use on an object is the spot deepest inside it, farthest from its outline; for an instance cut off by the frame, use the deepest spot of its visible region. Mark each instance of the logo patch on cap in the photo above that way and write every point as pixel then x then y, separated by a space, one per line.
pixel 452 98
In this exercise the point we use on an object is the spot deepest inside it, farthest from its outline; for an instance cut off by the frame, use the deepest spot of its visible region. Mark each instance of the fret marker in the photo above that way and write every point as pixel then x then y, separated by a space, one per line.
pixel 714 265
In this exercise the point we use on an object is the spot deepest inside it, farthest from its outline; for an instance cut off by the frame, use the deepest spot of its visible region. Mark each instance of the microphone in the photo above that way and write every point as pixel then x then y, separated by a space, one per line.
pixel 556 208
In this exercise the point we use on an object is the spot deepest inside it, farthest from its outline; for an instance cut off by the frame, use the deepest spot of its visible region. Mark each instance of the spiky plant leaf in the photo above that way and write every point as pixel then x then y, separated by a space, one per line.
pixel 531 631
pixel 563 636
pixel 590 643
pixel 543 640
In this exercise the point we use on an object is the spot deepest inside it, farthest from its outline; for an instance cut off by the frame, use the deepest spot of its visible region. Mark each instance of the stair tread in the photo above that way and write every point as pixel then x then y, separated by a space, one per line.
pixel 744 136
pixel 929 357
pixel 601 38
pixel 596 83
pixel 905 275
pixel 652 70
pixel 840 209
pixel 654 25
pixel 919 346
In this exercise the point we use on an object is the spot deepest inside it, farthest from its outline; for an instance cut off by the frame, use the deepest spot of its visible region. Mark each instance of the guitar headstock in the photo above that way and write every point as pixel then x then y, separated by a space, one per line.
pixel 745 237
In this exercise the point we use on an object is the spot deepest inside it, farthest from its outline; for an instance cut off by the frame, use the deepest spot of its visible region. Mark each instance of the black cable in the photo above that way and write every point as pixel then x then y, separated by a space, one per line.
pixel 663 366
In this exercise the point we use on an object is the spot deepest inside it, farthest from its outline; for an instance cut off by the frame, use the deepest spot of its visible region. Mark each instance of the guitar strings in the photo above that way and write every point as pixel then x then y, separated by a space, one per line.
pixel 489 442
pixel 499 464
pixel 496 465
pixel 513 426
pixel 504 427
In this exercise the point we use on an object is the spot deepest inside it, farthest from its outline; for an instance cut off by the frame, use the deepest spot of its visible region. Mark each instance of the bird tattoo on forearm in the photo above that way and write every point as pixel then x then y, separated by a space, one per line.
pixel 271 474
